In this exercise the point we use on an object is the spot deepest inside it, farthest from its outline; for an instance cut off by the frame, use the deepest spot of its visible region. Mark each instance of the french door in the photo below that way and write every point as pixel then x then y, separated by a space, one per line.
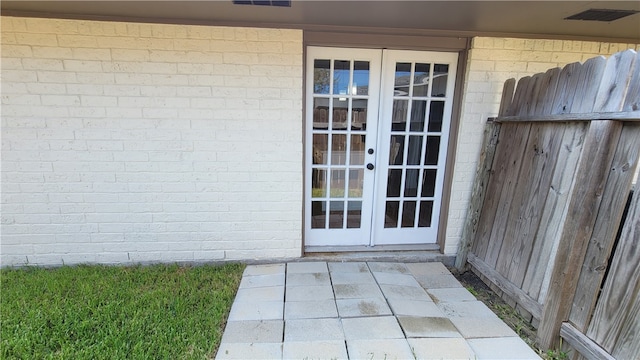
pixel 376 137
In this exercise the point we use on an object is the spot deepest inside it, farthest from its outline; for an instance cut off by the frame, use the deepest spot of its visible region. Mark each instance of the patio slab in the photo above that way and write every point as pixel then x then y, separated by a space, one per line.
pixel 512 348
pixel 310 309
pixel 320 350
pixel 313 329
pixel 362 310
pixel 363 307
pixel 380 349
pixel 441 348
pixel 379 327
pixel 253 331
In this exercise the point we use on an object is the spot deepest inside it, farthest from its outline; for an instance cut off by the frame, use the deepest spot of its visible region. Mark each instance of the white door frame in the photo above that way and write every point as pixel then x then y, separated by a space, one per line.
pixel 349 236
pixel 417 235
pixel 380 97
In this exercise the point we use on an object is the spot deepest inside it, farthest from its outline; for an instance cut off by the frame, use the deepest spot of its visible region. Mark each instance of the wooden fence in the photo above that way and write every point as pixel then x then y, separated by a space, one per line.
pixel 551 187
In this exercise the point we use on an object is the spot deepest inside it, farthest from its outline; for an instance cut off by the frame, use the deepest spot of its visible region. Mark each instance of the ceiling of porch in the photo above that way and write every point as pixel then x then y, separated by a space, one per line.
pixel 498 18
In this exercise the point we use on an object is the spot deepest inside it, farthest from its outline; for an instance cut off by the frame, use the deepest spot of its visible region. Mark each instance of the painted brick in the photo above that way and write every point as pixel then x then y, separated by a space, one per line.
pixel 150 137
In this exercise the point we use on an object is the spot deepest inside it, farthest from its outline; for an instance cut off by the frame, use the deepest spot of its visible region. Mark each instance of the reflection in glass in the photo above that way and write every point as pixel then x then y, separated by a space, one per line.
pixel 399 116
pixel 336 214
pixel 340 111
pixel 393 182
pixel 318 214
pixel 391 214
pixel 396 150
pixel 354 214
pixel 321 76
pixel 436 112
pixel 321 113
pixel 439 88
pixel 318 183
pixel 411 183
pixel 429 182
pixel 320 148
pixel 433 150
pixel 426 209
pixel 356 183
pixel 357 149
pixel 418 109
pixel 402 79
pixel 341 69
pixel 337 183
pixel 415 150
pixel 408 213
pixel 338 149
pixel 361 78
pixel 359 114
pixel 421 80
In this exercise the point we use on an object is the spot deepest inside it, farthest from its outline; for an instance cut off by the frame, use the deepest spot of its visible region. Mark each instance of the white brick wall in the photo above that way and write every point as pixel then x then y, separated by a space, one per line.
pixel 492 61
pixel 128 142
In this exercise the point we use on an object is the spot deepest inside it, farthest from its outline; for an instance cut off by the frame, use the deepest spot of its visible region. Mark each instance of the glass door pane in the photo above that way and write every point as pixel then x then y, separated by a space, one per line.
pixel 413 132
pixel 343 94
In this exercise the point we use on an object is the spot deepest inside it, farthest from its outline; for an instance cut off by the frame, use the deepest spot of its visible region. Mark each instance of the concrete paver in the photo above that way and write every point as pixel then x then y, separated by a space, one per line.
pixel 451 295
pixel 270 269
pixel 379 327
pixel 379 349
pixel 482 327
pixel 415 308
pixel 349 267
pixel 262 281
pixel 441 348
pixel 362 307
pixel 428 327
pixel 260 331
pixel 430 268
pixel 250 310
pixel 310 309
pixel 269 293
pixel 257 351
pixel 313 329
pixel 307 267
pixel 438 281
pixel 395 279
pixel 404 292
pixel 471 309
pixel 316 350
pixel 356 291
pixel 512 348
pixel 352 278
pixel 397 268
pixel 362 310
pixel 308 279
pixel 309 293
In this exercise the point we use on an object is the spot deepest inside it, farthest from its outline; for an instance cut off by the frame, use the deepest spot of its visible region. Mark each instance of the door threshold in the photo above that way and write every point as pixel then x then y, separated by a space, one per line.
pixel 355 253
pixel 377 248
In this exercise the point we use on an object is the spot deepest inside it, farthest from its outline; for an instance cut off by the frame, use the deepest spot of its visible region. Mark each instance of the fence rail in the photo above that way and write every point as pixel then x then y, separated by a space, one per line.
pixel 551 187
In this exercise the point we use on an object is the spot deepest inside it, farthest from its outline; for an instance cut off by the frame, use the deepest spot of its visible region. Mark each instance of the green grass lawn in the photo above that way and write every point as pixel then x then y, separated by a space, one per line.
pixel 100 312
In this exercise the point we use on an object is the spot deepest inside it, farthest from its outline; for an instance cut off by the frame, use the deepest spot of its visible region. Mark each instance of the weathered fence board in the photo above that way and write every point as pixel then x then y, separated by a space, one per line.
pixel 543 230
pixel 555 211
pixel 583 344
pixel 606 225
pixel 615 323
pixel 597 156
pixel 632 101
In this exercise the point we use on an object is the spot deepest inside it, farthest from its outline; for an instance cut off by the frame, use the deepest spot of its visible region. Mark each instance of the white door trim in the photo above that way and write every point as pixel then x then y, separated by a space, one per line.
pixel 378 131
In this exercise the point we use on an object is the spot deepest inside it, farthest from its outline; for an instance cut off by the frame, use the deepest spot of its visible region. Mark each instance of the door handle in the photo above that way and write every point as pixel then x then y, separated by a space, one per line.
pixel 370 166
